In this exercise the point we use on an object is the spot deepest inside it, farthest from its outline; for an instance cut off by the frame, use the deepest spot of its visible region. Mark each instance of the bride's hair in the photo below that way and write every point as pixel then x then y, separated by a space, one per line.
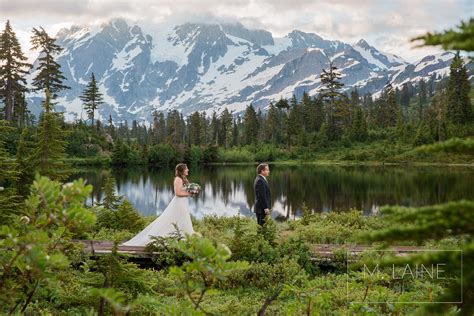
pixel 179 172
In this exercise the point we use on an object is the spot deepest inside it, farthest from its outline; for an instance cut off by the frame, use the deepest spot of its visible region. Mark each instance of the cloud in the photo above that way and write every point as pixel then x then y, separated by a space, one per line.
pixel 388 25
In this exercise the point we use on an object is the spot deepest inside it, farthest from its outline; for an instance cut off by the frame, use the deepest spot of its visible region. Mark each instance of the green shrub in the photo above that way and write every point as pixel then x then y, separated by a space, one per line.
pixel 162 155
pixel 236 155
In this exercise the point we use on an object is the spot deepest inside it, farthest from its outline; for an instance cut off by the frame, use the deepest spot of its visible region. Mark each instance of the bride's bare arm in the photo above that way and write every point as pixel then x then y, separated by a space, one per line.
pixel 178 188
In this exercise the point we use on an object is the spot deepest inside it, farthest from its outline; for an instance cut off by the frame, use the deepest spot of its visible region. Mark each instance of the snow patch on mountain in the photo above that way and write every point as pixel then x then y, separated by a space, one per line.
pixel 370 58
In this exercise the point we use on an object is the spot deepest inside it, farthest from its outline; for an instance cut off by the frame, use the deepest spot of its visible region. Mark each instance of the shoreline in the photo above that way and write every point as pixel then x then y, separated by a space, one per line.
pixel 94 162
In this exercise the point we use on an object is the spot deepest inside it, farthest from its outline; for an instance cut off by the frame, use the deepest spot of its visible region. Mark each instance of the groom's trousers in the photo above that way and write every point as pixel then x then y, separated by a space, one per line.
pixel 260 218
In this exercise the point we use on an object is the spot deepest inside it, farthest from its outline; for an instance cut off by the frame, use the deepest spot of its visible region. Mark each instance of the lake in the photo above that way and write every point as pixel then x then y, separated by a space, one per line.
pixel 228 189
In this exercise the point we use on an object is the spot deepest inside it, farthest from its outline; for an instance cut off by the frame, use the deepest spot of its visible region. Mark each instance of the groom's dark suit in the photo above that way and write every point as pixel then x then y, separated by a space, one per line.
pixel 262 198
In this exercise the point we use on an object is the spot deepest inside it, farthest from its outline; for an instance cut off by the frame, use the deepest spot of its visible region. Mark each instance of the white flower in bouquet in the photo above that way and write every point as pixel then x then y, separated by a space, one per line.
pixel 193 188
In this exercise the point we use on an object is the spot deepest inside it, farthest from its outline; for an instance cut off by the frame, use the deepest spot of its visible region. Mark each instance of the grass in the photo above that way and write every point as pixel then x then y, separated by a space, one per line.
pixel 304 290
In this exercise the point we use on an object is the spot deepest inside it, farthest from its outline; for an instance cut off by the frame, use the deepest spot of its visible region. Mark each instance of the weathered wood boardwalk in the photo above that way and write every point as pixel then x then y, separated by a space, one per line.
pixel 320 252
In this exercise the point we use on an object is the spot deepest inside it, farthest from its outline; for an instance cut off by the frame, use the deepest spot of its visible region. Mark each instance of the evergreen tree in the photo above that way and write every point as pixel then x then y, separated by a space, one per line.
pixel 235 134
pixel 331 85
pixel 92 98
pixel 8 177
pixel 49 154
pixel 110 203
pixel 439 125
pixel 195 129
pixel 310 114
pixel 111 127
pixel 355 99
pixel 159 128
pixel 21 115
pixel 250 125
pixel 359 126
pixel 459 108
pixel 273 125
pixel 24 161
pixel 282 104
pixel 225 134
pixel 319 113
pixel 405 96
pixel 431 85
pixel 128 218
pixel 204 129
pixel 49 78
pixel 214 129
pixel 13 68
pixel 422 98
pixel 111 200
pixel 390 108
pixel 423 134
pixel 337 109
pixel 295 123
pixel 260 121
pixel 175 127
pixel 401 126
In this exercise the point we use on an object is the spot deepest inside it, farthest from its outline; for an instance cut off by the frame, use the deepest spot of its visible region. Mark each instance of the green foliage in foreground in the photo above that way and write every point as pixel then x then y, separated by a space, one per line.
pixel 461 38
pixel 453 219
pixel 37 245
pixel 266 270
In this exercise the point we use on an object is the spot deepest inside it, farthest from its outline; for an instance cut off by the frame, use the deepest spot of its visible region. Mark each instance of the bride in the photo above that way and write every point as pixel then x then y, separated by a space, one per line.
pixel 175 213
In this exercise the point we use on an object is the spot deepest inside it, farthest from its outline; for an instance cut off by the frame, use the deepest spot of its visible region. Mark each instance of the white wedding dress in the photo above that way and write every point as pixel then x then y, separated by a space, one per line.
pixel 175 213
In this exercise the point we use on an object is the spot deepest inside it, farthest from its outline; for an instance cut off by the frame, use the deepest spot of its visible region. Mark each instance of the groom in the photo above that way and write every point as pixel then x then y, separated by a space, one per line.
pixel 262 193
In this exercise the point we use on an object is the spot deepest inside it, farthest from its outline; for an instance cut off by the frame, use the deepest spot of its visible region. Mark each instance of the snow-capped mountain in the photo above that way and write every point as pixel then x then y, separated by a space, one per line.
pixel 206 67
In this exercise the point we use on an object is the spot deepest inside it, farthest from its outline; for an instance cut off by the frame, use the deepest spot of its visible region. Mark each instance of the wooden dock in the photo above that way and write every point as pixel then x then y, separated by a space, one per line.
pixel 320 252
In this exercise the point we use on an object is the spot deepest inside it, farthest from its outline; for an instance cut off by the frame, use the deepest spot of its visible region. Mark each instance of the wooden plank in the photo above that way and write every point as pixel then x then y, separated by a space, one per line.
pixel 319 251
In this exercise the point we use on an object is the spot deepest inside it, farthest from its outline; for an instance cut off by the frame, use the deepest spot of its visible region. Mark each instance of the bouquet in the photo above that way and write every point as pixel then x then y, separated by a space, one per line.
pixel 193 188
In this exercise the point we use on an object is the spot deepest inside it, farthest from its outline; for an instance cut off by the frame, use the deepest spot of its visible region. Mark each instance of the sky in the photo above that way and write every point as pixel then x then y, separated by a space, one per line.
pixel 387 25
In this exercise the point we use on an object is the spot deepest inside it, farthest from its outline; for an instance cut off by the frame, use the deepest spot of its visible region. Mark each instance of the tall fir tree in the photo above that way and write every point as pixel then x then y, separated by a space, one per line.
pixel 390 108
pixel 194 128
pixel 21 115
pixel 405 96
pixel 204 129
pixel 13 68
pixel 49 76
pixel 422 98
pixel 175 127
pixel 49 156
pixel 273 125
pixel 331 85
pixel 295 123
pixel 250 125
pixel 459 107
pixel 111 127
pixel 359 126
pixel 25 164
pixel 92 98
pixel 225 133
pixel 8 177
pixel 214 129
pixel 235 134
pixel 337 109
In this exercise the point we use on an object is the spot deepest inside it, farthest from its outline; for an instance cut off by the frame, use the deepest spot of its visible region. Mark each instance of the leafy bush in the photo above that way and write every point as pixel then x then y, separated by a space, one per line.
pixel 236 154
pixel 211 154
pixel 194 155
pixel 33 247
pixel 162 155
pixel 209 264
pixel 123 154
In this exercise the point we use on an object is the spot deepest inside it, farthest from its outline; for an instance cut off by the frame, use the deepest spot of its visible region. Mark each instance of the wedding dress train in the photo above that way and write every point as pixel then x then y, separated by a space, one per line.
pixel 176 212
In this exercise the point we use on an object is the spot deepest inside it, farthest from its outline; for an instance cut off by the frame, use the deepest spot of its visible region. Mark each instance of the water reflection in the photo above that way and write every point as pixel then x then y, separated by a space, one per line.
pixel 228 190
